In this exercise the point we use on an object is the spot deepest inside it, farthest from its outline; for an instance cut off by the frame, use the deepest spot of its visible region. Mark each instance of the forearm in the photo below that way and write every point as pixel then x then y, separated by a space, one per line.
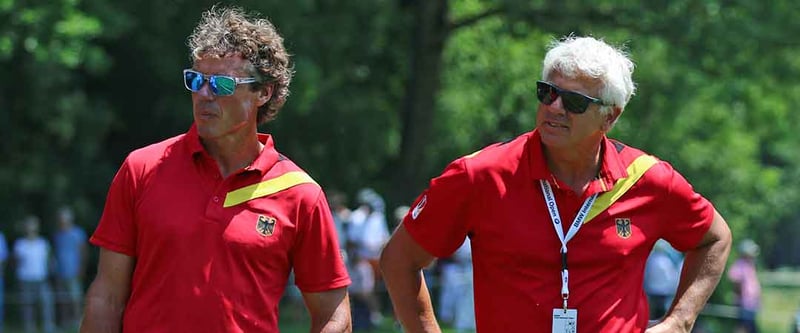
pixel 334 325
pixel 102 314
pixel 108 295
pixel 702 270
pixel 412 303
pixel 329 311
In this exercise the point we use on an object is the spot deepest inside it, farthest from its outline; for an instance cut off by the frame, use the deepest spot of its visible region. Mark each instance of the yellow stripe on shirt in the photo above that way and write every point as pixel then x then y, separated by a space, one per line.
pixel 635 171
pixel 267 187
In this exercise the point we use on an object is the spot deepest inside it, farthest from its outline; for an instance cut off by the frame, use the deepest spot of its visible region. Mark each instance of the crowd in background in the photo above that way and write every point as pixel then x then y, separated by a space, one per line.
pixel 663 270
pixel 48 285
pixel 48 272
pixel 364 231
pixel 363 226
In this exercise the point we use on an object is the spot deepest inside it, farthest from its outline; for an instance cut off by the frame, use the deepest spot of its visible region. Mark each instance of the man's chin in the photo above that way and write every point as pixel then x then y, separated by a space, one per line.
pixel 207 132
pixel 554 140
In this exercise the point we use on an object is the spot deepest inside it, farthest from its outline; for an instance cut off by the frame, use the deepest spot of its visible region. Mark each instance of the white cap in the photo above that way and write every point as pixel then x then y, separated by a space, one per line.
pixel 748 247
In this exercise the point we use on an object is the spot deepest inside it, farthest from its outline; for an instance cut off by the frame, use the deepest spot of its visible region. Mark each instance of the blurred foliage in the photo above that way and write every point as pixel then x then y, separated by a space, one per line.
pixel 86 81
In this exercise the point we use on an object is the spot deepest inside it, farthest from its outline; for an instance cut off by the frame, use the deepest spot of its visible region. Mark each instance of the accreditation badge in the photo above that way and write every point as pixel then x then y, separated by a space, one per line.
pixel 565 321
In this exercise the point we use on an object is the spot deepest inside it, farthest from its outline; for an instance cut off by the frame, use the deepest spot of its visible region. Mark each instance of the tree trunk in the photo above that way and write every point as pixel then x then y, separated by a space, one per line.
pixel 422 87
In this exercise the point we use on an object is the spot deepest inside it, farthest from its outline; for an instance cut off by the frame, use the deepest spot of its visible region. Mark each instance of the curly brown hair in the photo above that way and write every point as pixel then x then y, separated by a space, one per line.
pixel 226 31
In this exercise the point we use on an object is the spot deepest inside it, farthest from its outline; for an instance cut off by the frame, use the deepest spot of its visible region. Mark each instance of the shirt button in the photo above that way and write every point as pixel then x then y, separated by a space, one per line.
pixel 216 199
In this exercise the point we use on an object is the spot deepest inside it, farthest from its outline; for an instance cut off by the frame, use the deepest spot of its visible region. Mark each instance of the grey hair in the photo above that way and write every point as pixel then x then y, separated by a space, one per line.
pixel 587 57
pixel 226 31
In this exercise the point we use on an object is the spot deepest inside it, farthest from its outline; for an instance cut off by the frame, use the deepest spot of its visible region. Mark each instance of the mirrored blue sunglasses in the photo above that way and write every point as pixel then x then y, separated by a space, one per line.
pixel 221 85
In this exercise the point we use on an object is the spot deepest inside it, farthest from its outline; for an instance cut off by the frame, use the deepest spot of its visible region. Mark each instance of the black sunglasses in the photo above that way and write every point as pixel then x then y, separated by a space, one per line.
pixel 573 101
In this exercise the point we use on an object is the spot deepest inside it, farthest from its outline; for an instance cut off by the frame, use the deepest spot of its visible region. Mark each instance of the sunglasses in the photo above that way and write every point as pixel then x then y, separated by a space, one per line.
pixel 573 101
pixel 221 85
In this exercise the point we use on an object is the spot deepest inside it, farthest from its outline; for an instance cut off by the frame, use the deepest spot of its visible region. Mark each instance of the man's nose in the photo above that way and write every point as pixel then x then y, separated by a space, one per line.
pixel 205 90
pixel 558 104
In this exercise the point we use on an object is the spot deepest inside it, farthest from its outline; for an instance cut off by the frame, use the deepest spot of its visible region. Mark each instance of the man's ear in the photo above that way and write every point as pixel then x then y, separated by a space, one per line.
pixel 265 94
pixel 611 118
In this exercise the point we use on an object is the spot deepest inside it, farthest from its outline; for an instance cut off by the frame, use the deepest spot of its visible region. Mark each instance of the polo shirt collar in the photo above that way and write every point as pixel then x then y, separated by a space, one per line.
pixel 268 157
pixel 611 169
pixel 193 141
pixel 265 160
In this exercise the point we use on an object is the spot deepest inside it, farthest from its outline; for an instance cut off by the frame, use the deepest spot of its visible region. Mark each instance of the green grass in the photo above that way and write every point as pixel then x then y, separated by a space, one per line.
pixel 779 305
pixel 780 301
pixel 387 326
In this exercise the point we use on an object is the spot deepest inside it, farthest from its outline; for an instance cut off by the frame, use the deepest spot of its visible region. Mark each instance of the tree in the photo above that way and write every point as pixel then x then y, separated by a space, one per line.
pixel 387 92
pixel 52 126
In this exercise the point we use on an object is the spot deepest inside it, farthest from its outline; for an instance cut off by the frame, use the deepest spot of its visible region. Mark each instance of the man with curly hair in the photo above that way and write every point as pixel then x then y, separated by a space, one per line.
pixel 200 231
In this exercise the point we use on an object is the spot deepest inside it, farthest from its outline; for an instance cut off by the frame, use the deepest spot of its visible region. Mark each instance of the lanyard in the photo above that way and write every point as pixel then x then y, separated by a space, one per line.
pixel 550 200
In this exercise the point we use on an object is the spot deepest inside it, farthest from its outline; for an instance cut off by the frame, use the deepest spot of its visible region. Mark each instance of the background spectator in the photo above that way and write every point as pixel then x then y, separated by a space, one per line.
pixel 367 234
pixel 457 303
pixel 32 257
pixel 362 293
pixel 661 275
pixel 341 217
pixel 746 286
pixel 3 258
pixel 69 243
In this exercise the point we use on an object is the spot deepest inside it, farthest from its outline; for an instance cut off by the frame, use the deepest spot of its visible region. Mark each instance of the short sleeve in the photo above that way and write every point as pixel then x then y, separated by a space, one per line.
pixel 437 221
pixel 318 264
pixel 690 214
pixel 117 230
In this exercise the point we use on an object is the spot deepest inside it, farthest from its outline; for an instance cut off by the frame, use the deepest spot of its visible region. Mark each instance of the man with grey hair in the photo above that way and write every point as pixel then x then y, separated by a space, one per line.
pixel 561 219
pixel 200 232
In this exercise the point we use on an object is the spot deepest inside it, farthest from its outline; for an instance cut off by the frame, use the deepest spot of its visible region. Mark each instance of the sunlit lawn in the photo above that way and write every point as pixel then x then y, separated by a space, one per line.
pixel 386 327
pixel 779 305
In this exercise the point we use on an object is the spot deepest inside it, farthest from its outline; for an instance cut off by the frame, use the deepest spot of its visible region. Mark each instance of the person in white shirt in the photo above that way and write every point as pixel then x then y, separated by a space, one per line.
pixel 456 301
pixel 32 259
pixel 369 229
pixel 367 234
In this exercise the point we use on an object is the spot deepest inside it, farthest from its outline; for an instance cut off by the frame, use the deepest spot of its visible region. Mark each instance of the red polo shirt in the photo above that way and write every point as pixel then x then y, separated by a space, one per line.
pixel 210 258
pixel 494 197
